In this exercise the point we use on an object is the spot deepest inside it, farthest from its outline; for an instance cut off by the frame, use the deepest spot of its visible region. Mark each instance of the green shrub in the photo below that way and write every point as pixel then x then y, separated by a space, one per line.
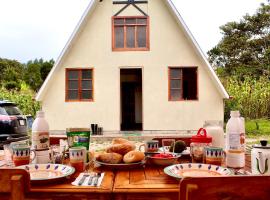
pixel 23 98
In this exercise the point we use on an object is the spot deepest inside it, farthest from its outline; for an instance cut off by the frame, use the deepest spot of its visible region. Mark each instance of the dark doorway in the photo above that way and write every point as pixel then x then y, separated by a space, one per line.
pixel 131 99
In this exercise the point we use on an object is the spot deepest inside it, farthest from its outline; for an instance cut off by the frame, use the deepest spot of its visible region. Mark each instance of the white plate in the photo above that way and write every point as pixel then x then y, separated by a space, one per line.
pixel 196 170
pixel 185 152
pixel 42 172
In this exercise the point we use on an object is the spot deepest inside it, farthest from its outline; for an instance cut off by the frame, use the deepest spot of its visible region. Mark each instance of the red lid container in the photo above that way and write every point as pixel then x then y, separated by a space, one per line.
pixel 201 137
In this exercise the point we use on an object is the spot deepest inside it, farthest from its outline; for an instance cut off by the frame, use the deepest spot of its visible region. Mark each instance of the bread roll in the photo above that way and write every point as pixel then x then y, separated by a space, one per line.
pixel 121 148
pixel 119 141
pixel 112 158
pixel 133 156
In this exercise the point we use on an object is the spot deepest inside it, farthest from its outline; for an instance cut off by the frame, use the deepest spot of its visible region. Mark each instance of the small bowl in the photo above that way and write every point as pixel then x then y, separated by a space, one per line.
pixel 164 161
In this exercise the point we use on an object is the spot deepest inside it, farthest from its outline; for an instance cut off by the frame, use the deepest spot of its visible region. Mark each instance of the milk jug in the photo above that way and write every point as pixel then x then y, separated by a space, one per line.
pixel 40 132
pixel 235 153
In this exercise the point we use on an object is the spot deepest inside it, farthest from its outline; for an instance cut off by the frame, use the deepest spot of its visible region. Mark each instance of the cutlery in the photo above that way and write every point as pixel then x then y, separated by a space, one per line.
pixel 83 179
pixel 91 179
pixel 97 177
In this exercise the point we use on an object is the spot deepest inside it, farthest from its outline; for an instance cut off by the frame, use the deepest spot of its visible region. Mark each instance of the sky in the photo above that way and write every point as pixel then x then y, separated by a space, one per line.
pixel 32 29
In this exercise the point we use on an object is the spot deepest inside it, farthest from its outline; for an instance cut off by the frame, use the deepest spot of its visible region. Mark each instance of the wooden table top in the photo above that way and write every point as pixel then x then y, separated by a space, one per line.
pixel 66 186
pixel 151 179
pixel 148 179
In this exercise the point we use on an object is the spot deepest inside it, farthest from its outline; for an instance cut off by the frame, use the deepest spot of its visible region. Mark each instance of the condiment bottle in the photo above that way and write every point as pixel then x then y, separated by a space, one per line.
pixel 215 130
pixel 235 152
pixel 197 145
pixel 40 132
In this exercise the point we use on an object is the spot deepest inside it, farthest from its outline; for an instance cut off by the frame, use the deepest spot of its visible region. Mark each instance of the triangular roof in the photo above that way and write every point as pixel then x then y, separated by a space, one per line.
pixel 89 10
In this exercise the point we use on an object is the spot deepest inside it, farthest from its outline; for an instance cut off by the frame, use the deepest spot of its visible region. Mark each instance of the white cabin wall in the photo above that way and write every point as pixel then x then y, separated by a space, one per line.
pixel 168 47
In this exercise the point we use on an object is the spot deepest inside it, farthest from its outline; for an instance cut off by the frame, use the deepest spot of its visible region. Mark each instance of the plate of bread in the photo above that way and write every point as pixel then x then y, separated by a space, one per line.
pixel 121 154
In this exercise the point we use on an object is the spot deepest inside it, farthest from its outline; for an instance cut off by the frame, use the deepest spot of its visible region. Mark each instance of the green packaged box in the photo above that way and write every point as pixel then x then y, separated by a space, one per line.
pixel 78 137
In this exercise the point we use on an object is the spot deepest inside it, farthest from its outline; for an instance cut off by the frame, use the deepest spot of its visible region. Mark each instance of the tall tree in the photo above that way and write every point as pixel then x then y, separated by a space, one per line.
pixel 46 68
pixel 245 46
pixel 11 72
pixel 36 72
pixel 32 75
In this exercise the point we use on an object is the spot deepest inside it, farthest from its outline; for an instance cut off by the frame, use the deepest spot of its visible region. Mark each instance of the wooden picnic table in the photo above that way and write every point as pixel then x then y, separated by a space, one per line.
pixel 145 183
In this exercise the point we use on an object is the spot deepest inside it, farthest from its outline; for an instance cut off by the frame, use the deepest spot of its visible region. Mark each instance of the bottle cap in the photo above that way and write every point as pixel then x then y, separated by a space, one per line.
pixel 235 113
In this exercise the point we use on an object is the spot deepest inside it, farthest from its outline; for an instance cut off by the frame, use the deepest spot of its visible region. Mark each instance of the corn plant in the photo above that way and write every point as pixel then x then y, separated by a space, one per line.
pixel 250 96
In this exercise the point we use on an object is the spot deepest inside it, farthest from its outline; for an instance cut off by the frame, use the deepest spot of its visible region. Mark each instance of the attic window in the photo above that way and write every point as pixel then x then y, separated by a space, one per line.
pixel 79 85
pixel 130 33
pixel 183 83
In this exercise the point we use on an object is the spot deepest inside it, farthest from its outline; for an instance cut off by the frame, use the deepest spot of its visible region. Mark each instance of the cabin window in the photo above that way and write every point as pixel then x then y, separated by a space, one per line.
pixel 130 33
pixel 79 84
pixel 183 83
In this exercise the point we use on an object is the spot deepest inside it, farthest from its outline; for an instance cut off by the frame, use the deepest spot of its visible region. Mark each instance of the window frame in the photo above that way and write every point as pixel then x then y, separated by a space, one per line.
pixel 147 48
pixel 182 79
pixel 79 85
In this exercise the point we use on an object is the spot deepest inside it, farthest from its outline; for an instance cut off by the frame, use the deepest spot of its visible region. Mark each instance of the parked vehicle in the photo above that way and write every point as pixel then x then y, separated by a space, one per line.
pixel 13 124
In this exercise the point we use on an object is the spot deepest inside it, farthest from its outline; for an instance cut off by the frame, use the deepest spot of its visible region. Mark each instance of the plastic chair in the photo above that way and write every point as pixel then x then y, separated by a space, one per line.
pixel 225 188
pixel 14 183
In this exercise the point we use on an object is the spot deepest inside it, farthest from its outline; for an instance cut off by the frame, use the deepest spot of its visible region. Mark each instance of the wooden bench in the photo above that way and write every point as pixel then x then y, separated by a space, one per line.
pixel 225 188
pixel 14 184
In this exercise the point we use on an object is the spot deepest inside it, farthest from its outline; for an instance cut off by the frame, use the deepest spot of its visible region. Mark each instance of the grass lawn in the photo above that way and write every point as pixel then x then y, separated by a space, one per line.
pixel 257 129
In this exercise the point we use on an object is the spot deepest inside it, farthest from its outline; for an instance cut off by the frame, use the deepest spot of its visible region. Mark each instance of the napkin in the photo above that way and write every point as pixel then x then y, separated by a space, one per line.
pixel 85 183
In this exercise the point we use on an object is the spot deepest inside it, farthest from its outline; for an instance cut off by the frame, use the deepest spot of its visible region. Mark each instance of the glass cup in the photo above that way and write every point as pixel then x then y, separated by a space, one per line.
pixel 21 154
pixel 150 146
pixel 57 154
pixel 214 155
pixel 91 157
pixel 8 155
pixel 77 157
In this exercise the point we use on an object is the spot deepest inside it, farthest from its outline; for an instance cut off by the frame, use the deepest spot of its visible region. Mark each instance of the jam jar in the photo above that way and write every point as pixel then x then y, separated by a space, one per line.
pixel 197 145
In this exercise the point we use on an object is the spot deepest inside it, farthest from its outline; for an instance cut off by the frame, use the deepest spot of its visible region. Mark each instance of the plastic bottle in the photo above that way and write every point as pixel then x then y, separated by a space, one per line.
pixel 235 153
pixel 40 132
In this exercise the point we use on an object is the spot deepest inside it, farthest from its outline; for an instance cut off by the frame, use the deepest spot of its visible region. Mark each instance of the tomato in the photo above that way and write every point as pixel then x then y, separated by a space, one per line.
pixel 163 155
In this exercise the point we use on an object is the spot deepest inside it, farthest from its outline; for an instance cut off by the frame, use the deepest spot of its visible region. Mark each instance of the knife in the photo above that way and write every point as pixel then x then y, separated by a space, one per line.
pixel 97 177
pixel 83 179
pixel 91 179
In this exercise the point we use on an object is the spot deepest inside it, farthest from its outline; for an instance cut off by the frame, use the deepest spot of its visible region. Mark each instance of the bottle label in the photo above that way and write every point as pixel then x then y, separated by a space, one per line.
pixel 40 140
pixel 234 141
pixel 243 141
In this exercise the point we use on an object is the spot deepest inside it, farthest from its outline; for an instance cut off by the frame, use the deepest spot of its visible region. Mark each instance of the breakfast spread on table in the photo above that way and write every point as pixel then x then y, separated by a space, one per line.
pixel 206 153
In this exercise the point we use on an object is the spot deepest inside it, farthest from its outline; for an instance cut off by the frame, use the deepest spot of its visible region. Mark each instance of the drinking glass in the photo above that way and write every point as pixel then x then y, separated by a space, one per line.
pixel 8 155
pixel 57 154
pixel 91 157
